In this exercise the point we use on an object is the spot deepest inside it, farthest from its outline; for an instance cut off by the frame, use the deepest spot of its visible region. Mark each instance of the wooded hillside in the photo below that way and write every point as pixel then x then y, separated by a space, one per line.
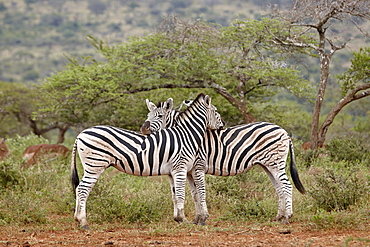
pixel 35 34
pixel 38 36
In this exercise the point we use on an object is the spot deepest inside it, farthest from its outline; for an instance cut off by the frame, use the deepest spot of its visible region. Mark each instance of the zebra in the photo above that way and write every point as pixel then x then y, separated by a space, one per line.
pixel 235 150
pixel 167 152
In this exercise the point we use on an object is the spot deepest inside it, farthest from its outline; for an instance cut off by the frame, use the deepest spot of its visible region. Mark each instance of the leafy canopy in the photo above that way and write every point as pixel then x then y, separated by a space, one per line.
pixel 240 62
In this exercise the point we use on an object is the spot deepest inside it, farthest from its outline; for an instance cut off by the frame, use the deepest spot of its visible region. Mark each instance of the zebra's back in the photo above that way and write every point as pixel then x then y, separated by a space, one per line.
pixel 234 150
pixel 128 151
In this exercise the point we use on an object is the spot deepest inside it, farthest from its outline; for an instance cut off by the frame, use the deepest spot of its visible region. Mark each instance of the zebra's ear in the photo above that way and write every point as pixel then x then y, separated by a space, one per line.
pixel 169 104
pixel 151 106
pixel 187 102
pixel 207 99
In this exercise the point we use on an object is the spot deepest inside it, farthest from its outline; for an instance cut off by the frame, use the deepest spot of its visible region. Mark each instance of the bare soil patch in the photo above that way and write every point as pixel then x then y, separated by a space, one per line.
pixel 216 233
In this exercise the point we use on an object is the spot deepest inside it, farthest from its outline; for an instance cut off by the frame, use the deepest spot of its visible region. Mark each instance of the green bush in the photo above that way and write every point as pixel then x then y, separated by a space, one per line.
pixel 337 188
pixel 349 149
pixel 9 174
pixel 31 75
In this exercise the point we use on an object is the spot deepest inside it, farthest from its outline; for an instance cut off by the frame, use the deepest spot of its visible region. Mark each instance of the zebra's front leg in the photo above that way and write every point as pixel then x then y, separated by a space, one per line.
pixel 179 178
pixel 193 190
pixel 172 184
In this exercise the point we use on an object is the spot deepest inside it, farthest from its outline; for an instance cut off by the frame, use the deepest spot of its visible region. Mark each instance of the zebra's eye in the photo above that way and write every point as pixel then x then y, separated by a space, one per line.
pixel 160 116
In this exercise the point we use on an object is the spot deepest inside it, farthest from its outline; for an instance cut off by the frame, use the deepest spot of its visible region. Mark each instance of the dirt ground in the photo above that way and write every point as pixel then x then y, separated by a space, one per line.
pixel 214 234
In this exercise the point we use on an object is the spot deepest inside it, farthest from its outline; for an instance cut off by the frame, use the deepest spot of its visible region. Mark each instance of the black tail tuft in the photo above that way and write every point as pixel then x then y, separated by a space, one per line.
pixel 74 174
pixel 294 172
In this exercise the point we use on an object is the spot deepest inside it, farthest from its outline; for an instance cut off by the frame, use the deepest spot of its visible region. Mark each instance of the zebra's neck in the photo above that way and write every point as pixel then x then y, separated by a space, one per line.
pixel 171 119
pixel 194 116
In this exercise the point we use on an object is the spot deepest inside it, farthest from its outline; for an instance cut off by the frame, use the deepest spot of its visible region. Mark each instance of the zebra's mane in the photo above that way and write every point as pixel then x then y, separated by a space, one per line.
pixel 191 106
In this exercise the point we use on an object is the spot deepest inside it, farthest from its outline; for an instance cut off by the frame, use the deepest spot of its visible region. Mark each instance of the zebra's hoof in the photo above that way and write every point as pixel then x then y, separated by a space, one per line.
pixel 85 227
pixel 200 220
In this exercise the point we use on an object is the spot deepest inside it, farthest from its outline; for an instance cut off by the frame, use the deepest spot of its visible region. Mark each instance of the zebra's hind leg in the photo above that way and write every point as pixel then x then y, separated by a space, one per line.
pixel 201 208
pixel 284 191
pixel 194 196
pixel 82 193
pixel 199 181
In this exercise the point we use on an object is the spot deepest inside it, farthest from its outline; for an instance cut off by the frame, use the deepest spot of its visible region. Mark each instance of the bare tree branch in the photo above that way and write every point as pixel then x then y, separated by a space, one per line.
pixel 361 29
pixel 351 96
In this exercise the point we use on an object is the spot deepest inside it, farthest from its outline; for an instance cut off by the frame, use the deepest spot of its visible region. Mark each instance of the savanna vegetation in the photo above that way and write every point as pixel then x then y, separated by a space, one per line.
pixel 68 65
pixel 337 193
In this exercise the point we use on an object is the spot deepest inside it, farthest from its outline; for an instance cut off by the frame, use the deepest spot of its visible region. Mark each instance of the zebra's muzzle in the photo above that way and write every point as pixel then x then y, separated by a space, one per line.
pixel 145 129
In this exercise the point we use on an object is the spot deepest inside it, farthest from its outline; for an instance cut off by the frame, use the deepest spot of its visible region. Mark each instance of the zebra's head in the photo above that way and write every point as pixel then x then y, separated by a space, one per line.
pixel 163 116
pixel 217 119
pixel 160 116
pixel 214 119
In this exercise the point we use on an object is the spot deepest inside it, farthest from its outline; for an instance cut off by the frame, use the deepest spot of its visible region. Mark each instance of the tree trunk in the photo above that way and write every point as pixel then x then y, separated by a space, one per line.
pixel 239 104
pixel 61 135
pixel 324 75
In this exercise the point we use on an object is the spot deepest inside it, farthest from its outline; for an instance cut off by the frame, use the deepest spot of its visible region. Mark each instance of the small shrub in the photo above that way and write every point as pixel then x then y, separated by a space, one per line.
pixel 349 149
pixel 31 75
pixel 227 186
pixel 9 175
pixel 309 157
pixel 242 197
pixel 337 189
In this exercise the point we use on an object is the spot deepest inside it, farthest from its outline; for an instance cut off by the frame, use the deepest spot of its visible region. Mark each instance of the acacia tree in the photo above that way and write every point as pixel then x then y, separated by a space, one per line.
pixel 319 18
pixel 238 62
pixel 18 102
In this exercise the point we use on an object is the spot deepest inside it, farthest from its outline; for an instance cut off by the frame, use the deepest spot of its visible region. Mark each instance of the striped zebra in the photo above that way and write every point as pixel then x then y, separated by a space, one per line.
pixel 237 149
pixel 167 152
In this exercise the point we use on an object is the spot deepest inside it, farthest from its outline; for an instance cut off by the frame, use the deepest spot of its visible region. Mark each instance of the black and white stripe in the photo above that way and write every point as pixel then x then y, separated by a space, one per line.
pixel 237 149
pixel 167 152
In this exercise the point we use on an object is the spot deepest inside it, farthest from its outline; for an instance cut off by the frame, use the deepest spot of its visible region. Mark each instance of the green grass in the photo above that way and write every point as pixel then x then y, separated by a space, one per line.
pixel 338 195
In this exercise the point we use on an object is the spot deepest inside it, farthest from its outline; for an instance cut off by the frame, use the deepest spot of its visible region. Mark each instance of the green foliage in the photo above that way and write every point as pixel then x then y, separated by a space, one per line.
pixel 337 188
pixel 31 75
pixel 28 196
pixel 23 210
pixel 353 150
pixel 9 175
pixel 243 197
pixel 188 55
pixel 17 102
pixel 358 73
pixel 130 199
pixel 337 194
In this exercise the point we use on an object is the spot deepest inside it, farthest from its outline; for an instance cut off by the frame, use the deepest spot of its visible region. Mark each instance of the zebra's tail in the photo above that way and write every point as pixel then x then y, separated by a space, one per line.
pixel 74 175
pixel 293 170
